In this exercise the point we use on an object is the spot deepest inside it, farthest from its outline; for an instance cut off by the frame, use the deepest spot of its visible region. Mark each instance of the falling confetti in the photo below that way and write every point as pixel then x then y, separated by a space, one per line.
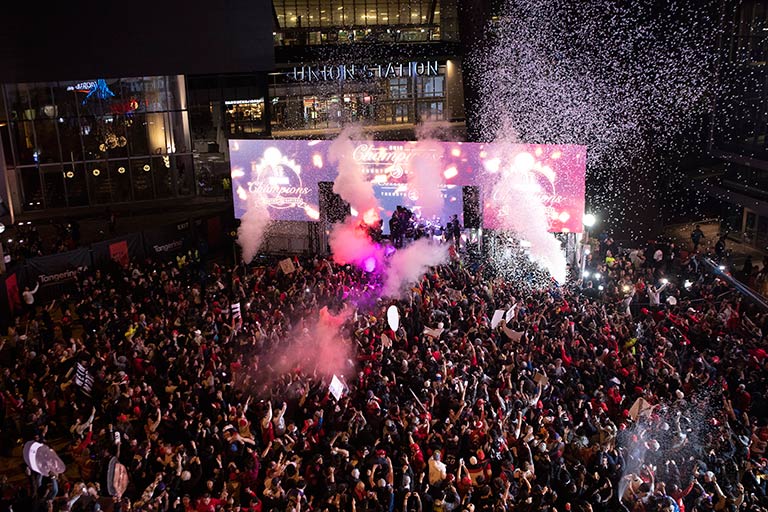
pixel 628 80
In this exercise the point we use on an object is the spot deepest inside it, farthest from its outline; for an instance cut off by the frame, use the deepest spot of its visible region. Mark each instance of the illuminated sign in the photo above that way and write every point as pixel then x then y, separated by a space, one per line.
pixel 82 86
pixel 341 72
pixel 278 180
pixel 244 102
pixel 285 175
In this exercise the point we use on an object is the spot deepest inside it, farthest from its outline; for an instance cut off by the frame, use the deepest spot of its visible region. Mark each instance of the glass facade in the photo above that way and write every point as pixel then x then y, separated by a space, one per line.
pixel 95 142
pixel 314 22
pixel 403 98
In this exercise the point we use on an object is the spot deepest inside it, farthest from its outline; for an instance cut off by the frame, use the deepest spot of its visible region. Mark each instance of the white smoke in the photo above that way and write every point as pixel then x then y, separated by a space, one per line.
pixel 516 197
pixel 425 178
pixel 407 265
pixel 253 227
pixel 350 183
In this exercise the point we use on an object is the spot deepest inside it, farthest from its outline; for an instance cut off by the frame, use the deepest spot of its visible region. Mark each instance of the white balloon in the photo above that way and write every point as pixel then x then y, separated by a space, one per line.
pixel 393 318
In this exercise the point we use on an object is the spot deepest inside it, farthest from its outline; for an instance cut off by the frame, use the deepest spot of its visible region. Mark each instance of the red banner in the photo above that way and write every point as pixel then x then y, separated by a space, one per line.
pixel 12 289
pixel 118 251
pixel 214 231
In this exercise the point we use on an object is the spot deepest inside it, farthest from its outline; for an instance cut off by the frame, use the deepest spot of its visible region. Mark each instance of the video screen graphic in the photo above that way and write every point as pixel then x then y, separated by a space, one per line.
pixel 285 173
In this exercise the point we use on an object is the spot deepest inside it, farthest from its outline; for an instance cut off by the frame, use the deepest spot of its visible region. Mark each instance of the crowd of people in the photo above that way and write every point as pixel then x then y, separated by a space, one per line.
pixel 25 241
pixel 639 385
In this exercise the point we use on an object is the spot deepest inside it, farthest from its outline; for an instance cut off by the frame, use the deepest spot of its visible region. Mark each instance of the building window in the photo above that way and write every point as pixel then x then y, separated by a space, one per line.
pixel 398 88
pixel 244 117
pixel 431 86
pixel 355 20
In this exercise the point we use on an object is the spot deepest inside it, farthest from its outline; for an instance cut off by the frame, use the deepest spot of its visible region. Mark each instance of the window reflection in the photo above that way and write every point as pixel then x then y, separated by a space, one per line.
pixel 53 187
pixel 79 127
pixel 120 177
pixel 141 174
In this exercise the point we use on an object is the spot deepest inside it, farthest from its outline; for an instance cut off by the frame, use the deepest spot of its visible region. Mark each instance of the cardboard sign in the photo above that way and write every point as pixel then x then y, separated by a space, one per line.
pixel 454 294
pixel 435 333
pixel 541 379
pixel 287 266
pixel 498 316
pixel 641 407
pixel 515 336
pixel 336 388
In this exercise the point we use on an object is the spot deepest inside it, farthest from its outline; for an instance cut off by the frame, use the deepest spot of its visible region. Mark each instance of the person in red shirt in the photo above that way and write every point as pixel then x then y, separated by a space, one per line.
pixel 208 504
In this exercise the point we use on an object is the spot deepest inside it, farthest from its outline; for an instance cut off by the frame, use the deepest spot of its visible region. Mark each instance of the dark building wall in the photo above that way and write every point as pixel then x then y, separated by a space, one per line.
pixel 79 40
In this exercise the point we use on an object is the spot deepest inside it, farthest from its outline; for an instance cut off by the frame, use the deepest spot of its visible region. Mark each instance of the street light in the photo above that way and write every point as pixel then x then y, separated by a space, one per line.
pixel 588 220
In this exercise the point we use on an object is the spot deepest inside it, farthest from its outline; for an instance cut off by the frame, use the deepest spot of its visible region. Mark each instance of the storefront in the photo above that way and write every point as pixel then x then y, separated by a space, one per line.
pixel 244 116
pixel 96 142
pixel 327 96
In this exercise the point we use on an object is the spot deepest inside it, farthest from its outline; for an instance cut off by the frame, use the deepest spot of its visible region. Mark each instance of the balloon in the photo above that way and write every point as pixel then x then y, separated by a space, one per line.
pixel 393 318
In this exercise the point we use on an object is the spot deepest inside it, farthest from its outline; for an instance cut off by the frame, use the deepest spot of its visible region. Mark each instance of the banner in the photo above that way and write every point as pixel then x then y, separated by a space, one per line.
pixel 167 241
pixel 498 316
pixel 128 246
pixel 214 232
pixel 83 379
pixel 286 174
pixel 55 273
pixel 118 251
pixel 12 291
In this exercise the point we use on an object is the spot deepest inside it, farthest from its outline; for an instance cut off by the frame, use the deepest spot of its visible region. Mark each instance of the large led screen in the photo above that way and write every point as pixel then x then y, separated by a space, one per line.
pixel 285 173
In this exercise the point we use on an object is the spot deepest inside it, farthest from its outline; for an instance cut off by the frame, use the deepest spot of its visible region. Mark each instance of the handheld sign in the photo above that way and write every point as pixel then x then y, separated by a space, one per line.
pixel 287 266
pixel 336 388
pixel 117 478
pixel 42 459
pixel 498 316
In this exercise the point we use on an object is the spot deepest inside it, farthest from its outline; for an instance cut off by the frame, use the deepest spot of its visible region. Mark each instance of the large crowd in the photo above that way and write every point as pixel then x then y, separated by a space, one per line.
pixel 639 385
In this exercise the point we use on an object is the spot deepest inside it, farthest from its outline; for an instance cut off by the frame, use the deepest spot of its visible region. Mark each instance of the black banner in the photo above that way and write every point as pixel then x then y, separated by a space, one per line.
pixel 104 251
pixel 164 242
pixel 55 273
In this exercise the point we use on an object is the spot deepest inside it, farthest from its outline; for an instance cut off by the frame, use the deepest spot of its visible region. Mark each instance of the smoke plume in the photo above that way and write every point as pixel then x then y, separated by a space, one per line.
pixel 351 184
pixel 408 265
pixel 253 228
